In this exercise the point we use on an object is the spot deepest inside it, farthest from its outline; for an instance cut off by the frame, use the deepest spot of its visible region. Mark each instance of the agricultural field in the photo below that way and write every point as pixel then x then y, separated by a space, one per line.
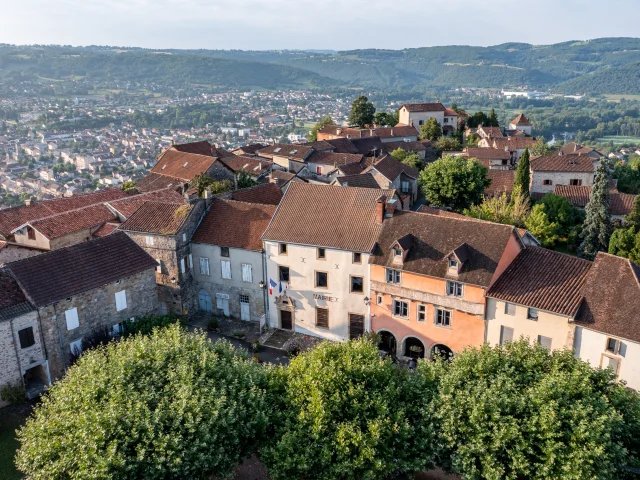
pixel 619 140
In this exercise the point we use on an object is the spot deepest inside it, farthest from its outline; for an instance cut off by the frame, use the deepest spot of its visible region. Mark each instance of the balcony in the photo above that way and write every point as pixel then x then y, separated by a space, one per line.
pixel 445 301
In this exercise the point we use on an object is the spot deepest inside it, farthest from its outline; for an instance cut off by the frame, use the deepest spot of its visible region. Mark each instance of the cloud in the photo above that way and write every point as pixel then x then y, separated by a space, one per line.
pixel 326 24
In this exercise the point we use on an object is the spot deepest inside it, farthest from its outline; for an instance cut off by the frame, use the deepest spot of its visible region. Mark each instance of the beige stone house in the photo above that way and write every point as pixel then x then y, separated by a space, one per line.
pixel 547 171
pixel 416 114
pixel 392 174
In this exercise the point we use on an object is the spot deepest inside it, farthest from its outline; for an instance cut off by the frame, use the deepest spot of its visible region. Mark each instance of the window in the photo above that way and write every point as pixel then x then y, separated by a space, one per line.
pixel 283 272
pixel 76 347
pixel 224 252
pixel 357 257
pixel 322 254
pixel 159 266
pixel 446 119
pixel 532 314
pixel 121 300
pixel 117 330
pixel 319 170
pixel 397 252
pixel 247 274
pixel 244 298
pixel 544 341
pixel 454 289
pixel 420 122
pixel 357 284
pixel 184 237
pixel 453 263
pixel 509 308
pixel 379 299
pixel 575 181
pixel 71 316
pixel 405 186
pixel 400 309
pixel 506 335
pixel 322 280
pixel 613 346
pixel 393 276
pixel 31 233
pixel 443 318
pixel 613 363
pixel 283 249
pixel 204 266
pixel 422 313
pixel 322 317
pixel 226 269
pixel 547 182
pixel 26 337
pixel 149 240
pixel 183 269
pixel 190 257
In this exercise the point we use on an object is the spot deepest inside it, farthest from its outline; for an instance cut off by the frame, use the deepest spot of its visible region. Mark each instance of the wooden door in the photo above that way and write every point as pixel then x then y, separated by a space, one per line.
pixel 286 320
pixel 245 313
pixel 204 299
pixel 356 326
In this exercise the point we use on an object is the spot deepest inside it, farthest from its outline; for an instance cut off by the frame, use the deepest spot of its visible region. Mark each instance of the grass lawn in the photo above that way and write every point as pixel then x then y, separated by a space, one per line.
pixel 619 139
pixel 617 98
pixel 11 418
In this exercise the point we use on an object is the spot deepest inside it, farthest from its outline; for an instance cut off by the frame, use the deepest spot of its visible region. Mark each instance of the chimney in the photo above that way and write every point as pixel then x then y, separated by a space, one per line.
pixel 338 131
pixel 412 123
pixel 561 153
pixel 392 132
pixel 29 201
pixel 185 195
pixel 208 197
pixel 437 101
pixel 390 208
pixel 371 132
pixel 381 203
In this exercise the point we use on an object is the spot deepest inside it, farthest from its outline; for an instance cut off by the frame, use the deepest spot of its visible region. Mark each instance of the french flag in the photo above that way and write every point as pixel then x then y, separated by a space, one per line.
pixel 272 284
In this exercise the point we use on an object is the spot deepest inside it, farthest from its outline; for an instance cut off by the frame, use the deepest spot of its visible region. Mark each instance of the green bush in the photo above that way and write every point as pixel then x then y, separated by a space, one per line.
pixel 170 405
pixel 146 325
pixel 13 393
pixel 522 412
pixel 350 414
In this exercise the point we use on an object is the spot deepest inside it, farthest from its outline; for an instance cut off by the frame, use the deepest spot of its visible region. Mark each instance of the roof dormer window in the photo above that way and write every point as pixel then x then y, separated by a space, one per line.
pixel 397 253
pixel 453 263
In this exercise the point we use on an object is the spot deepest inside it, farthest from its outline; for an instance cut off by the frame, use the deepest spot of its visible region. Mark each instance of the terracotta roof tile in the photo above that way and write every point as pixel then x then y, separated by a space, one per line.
pixel 520 120
pixel 342 145
pixel 184 166
pixel 543 279
pixel 106 229
pixel 155 181
pixel 127 206
pixel 619 203
pixel 424 107
pixel 327 216
pixel 562 163
pixel 435 236
pixel 391 168
pixel 364 180
pixel 406 146
pixel 234 224
pixel 493 132
pixel 513 143
pixel 268 194
pixel 501 182
pixel 488 153
pixel 612 297
pixel 397 131
pixel 57 226
pixel 11 297
pixel 335 159
pixel 296 152
pixel 251 165
pixel 85 266
pixel 158 218
pixel 199 148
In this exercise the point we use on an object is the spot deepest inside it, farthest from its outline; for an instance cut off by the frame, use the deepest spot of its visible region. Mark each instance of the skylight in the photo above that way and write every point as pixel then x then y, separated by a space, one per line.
pixel 185 164
pixel 276 150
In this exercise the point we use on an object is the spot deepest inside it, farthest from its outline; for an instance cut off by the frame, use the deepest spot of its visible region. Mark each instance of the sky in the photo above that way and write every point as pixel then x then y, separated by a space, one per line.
pixel 312 24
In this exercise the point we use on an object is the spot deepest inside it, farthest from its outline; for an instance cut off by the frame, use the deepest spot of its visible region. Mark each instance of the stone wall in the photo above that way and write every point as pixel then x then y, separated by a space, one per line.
pixel 557 178
pixel 96 309
pixel 219 172
pixel 12 253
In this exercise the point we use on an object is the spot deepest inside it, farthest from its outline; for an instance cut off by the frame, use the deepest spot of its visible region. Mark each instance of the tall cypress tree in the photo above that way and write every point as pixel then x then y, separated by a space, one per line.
pixel 597 224
pixel 522 179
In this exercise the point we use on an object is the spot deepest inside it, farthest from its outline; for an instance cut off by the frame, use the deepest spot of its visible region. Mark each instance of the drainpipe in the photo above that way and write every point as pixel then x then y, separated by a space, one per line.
pixel 265 290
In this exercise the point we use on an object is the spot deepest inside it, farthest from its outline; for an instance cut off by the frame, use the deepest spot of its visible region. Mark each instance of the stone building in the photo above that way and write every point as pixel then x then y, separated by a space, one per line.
pixel 229 259
pixel 164 231
pixel 22 355
pixel 547 171
pixel 84 289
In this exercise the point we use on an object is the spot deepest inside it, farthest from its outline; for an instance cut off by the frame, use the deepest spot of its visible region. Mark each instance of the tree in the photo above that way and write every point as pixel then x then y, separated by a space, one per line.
pixel 597 223
pixel 411 159
pixel 313 134
pixel 362 112
pixel 165 406
pixel 446 144
pixel 502 209
pixel 633 217
pixel 625 242
pixel 522 178
pixel 492 120
pixel 477 119
pixel 431 130
pixel 129 187
pixel 455 182
pixel 351 414
pixel 540 147
pixel 540 227
pixel 520 411
pixel 472 140
pixel 201 182
pixel 245 180
pixel 384 119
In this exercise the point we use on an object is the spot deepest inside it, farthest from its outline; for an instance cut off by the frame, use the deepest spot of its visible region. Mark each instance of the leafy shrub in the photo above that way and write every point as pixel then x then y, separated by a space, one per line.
pixel 146 325
pixel 213 323
pixel 169 405
pixel 13 393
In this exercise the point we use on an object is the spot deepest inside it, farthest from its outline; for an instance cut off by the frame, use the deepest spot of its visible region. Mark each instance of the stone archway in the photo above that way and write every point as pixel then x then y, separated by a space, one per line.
pixel 413 348
pixel 442 351
pixel 387 342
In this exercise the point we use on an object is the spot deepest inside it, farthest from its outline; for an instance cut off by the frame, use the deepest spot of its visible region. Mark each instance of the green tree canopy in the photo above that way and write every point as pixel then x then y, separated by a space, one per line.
pixel 384 119
pixel 129 187
pixel 352 415
pixel 492 120
pixel 245 180
pixel 597 223
pixel 625 242
pixel 362 112
pixel 313 134
pixel 201 182
pixel 502 209
pixel 540 227
pixel 431 130
pixel 540 147
pixel 522 178
pixel 455 182
pixel 633 217
pixel 448 144
pixel 522 412
pixel 166 406
pixel 411 159
pixel 560 211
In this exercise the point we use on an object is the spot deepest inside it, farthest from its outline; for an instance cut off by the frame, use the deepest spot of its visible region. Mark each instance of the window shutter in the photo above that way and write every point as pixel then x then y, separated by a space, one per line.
pixel 247 275
pixel 322 317
pixel 26 337
pixel 190 262
pixel 159 266
pixel 544 341
pixel 204 266
pixel 506 335
pixel 182 267
pixel 226 269
pixel 71 317
pixel 121 300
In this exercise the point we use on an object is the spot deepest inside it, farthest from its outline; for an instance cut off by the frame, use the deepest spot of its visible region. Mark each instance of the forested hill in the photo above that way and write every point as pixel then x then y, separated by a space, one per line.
pixel 607 65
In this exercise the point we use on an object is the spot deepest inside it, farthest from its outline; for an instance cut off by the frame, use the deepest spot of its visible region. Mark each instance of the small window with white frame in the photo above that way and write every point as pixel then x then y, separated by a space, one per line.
pixel 393 276
pixel 357 257
pixel 397 252
pixel 509 308
pixel 149 240
pixel 400 309
pixel 422 313
pixel 454 289
pixel 613 345
pixel 443 318
pixel 532 313
pixel 282 248
pixel 379 299
pixel 453 263
pixel 321 254
pixel 204 266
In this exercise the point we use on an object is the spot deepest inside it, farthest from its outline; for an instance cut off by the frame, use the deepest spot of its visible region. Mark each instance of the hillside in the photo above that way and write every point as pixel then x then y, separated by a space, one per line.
pixel 602 66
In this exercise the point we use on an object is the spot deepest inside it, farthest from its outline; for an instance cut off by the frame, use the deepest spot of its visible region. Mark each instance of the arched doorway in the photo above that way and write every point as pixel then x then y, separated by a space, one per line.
pixel 387 342
pixel 204 301
pixel 442 351
pixel 413 348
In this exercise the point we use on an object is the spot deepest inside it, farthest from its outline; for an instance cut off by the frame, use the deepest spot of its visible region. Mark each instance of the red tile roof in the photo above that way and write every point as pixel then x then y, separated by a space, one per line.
pixel 327 216
pixel 424 107
pixel 391 168
pixel 501 182
pixel 158 218
pixel 612 297
pixel 449 112
pixel 513 143
pixel 251 165
pixel 342 145
pixel 295 152
pixel 127 206
pixel 184 166
pixel 200 148
pixel 520 120
pixel 562 163
pixel 230 223
pixel 63 224
pixel 155 181
pixel 578 196
pixel 488 153
pixel 106 229
pixel 493 132
pixel 335 159
pixel 390 132
pixel 268 194
pixel 543 279
pixel 12 299
pixel 85 266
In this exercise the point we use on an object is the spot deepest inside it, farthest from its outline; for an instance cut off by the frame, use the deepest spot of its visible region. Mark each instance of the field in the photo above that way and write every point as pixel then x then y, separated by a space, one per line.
pixel 617 98
pixel 618 140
